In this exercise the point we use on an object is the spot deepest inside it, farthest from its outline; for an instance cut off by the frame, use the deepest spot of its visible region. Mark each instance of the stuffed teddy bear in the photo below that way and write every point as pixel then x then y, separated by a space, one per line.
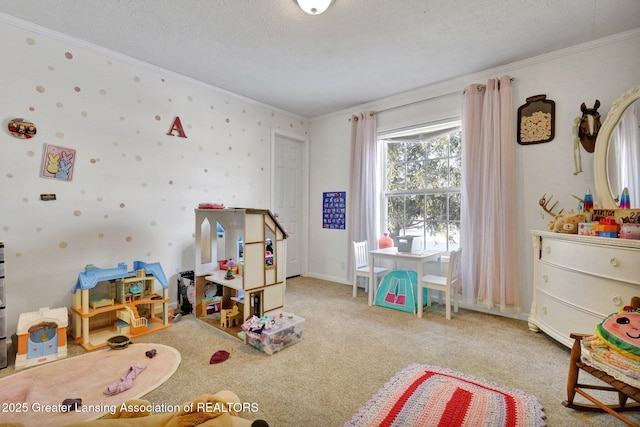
pixel 567 223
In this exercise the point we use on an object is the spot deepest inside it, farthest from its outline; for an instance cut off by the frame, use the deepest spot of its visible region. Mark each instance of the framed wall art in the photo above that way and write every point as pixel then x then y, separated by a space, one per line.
pixel 334 208
pixel 536 120
pixel 58 162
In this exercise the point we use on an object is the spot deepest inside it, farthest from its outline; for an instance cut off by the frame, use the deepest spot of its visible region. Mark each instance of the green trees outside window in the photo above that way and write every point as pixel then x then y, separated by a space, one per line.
pixel 422 180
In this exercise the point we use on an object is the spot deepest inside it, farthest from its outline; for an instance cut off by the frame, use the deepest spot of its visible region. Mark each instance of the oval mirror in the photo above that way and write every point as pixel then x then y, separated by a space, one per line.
pixel 617 153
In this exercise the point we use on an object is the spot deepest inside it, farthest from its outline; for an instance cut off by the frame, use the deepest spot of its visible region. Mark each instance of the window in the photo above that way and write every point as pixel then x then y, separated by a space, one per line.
pixel 422 179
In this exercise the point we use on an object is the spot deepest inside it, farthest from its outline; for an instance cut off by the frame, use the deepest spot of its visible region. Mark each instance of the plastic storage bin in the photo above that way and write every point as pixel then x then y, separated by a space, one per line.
pixel 286 330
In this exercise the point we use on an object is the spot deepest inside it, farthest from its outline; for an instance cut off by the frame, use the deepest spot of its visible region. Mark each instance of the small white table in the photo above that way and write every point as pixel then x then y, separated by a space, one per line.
pixel 419 258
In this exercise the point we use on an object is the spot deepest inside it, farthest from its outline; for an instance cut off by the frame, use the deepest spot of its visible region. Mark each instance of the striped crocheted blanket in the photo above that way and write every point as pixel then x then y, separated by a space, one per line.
pixel 423 395
pixel 597 353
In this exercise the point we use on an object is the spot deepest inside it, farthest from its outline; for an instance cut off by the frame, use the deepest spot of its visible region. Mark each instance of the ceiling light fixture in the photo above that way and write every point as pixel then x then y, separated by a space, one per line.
pixel 314 7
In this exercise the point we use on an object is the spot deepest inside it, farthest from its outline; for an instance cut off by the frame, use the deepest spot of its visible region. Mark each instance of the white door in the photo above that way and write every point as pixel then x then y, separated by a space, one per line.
pixel 289 182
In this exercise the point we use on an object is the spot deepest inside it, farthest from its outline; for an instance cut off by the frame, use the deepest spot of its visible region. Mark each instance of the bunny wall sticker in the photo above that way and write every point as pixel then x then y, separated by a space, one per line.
pixel 58 162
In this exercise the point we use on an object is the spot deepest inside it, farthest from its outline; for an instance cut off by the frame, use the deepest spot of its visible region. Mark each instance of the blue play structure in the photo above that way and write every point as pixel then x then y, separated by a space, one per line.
pixel 399 291
pixel 89 278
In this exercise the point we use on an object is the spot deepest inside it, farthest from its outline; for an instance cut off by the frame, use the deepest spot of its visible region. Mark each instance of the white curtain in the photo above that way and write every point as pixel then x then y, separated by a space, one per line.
pixel 624 157
pixel 362 198
pixel 490 261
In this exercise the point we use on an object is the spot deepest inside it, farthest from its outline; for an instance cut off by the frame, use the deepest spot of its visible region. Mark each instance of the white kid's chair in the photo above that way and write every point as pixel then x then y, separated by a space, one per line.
pixel 448 284
pixel 361 266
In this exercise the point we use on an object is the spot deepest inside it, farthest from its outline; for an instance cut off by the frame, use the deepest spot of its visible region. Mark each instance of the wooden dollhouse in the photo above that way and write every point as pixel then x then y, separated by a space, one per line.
pixel 249 242
pixel 115 301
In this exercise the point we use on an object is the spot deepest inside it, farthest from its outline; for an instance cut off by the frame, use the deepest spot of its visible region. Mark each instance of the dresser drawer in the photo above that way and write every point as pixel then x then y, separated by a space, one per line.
pixel 561 319
pixel 590 293
pixel 603 261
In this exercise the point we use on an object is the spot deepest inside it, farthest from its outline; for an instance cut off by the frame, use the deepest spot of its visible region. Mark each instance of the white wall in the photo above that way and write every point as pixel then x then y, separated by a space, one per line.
pixel 134 189
pixel 601 70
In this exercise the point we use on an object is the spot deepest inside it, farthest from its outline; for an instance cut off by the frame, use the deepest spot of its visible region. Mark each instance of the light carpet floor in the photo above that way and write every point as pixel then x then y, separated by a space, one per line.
pixel 350 350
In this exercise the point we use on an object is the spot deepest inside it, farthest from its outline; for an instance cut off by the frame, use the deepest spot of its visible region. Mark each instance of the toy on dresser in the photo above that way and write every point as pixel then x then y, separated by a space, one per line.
pixel 567 223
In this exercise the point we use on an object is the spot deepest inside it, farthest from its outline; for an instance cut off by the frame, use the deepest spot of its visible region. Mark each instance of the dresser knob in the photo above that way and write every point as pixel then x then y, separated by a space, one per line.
pixel 544 309
pixel 545 278
pixel 617 300
pixel 548 249
pixel 614 262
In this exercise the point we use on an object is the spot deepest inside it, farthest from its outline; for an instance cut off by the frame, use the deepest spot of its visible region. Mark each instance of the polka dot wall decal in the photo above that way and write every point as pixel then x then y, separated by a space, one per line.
pixel 136 79
pixel 25 199
pixel 32 109
pixel 190 98
pixel 122 205
pixel 30 41
pixel 9 175
pixel 230 148
pixel 100 235
pixel 18 254
pixel 157 117
pixel 102 92
pixel 77 89
pixel 83 114
pixel 59 104
pixel 171 182
pixel 38 229
pixel 93 161
pixel 77 213
pixel 129 238
pixel 153 223
pixel 40 89
pixel 59 135
pixel 106 216
pixel 227 120
pixel 116 143
pixel 138 158
pixel 62 245
pixel 68 55
pixel 5 228
pixel 99 199
pixel 30 153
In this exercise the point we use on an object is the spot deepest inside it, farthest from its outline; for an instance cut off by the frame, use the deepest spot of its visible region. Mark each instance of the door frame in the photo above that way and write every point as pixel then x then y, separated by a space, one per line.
pixel 304 224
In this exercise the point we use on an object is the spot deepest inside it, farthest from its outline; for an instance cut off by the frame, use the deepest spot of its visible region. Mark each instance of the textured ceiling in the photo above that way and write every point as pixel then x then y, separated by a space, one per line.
pixel 356 52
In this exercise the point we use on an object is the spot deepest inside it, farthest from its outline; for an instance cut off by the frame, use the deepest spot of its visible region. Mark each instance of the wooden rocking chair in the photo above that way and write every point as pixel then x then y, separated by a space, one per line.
pixel 624 390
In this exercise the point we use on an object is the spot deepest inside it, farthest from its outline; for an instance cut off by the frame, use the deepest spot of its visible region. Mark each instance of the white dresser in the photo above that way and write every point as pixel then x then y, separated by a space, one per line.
pixel 579 280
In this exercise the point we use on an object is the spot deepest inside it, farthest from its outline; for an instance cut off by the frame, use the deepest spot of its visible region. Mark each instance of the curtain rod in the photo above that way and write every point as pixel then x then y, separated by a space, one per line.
pixel 419 101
